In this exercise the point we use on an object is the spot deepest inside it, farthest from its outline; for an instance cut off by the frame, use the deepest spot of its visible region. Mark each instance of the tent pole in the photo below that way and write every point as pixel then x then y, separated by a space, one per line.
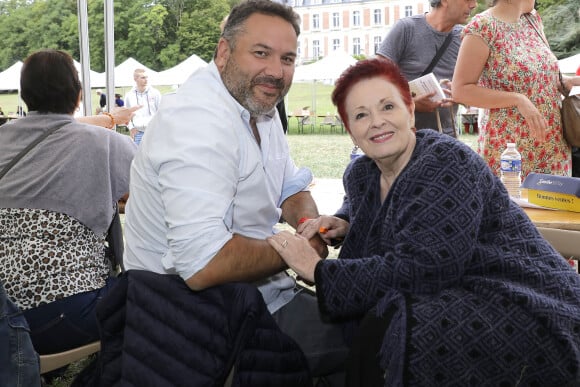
pixel 313 93
pixel 110 54
pixel 85 57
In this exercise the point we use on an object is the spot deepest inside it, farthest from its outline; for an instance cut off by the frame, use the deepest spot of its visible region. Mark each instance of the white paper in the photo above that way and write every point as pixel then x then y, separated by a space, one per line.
pixel 575 90
pixel 425 85
pixel 525 204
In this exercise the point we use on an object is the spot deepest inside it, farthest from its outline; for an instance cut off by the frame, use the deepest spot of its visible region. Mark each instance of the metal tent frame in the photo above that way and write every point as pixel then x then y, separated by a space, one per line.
pixel 85 59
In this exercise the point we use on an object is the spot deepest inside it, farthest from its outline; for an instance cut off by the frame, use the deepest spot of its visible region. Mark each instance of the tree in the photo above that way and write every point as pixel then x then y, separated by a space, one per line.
pixel 162 33
pixel 199 31
pixel 562 27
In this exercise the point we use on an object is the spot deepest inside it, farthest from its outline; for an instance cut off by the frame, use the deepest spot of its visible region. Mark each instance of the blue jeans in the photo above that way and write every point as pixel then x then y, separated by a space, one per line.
pixel 67 323
pixel 19 363
pixel 138 137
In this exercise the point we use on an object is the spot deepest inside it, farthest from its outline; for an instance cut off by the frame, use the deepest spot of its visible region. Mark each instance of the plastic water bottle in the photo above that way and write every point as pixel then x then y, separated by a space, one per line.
pixel 356 152
pixel 511 170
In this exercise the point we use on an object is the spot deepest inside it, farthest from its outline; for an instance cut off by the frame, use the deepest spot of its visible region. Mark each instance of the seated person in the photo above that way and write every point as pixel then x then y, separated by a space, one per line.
pixel 450 280
pixel 56 205
pixel 204 211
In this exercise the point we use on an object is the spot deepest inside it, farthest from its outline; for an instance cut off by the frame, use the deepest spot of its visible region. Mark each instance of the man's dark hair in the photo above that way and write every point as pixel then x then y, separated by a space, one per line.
pixel 239 14
pixel 435 3
pixel 49 82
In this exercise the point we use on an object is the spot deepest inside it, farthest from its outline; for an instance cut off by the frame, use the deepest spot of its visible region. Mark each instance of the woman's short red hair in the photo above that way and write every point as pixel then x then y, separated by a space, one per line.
pixel 365 69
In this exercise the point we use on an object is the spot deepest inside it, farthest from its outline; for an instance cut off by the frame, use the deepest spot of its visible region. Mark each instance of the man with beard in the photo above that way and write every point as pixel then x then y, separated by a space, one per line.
pixel 214 175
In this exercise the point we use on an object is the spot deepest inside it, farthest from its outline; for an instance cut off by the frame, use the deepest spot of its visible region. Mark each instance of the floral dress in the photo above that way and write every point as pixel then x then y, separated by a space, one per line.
pixel 519 61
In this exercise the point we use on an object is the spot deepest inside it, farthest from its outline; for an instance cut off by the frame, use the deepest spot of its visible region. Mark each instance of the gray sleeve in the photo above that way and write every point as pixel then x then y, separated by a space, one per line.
pixel 393 45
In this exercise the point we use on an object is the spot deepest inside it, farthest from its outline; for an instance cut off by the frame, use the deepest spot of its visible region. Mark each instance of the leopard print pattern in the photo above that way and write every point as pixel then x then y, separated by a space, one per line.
pixel 47 256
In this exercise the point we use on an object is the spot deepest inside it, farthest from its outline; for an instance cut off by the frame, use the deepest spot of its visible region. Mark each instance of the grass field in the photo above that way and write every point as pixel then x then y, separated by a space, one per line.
pixel 315 96
pixel 10 101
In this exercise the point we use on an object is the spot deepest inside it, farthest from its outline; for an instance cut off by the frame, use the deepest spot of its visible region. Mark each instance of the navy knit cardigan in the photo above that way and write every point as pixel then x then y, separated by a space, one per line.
pixel 481 297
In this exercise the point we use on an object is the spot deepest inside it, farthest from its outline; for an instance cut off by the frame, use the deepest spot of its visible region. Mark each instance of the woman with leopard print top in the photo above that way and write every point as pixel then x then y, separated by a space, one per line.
pixel 56 205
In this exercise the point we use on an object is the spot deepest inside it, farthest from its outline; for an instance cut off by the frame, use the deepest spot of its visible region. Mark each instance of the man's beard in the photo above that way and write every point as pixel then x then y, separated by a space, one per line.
pixel 241 87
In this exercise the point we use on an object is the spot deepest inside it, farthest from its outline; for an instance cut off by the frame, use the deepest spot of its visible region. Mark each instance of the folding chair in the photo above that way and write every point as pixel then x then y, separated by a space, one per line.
pixel 54 361
pixel 306 121
pixel 329 121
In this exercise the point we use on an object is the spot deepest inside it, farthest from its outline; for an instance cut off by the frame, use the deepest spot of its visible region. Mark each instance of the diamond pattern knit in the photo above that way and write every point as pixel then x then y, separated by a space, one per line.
pixel 482 299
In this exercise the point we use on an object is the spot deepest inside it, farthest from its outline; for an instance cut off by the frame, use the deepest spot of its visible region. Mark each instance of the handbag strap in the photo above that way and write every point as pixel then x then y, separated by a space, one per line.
pixel 28 148
pixel 438 54
pixel 533 24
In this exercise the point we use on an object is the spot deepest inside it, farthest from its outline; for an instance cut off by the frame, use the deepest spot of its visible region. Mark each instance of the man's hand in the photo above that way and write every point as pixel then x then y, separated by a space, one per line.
pixel 424 103
pixel 319 245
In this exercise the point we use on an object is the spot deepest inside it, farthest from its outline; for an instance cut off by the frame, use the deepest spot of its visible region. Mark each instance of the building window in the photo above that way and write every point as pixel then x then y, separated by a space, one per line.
pixel 356 46
pixel 315 49
pixel 335 20
pixel 335 44
pixel 408 10
pixel 356 18
pixel 315 22
pixel 377 43
pixel 377 17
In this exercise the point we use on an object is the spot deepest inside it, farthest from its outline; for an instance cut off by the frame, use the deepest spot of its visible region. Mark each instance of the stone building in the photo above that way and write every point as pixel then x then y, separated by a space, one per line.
pixel 354 26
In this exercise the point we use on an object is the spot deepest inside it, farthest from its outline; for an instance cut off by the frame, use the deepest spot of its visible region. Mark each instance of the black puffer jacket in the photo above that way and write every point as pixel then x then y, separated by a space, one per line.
pixel 155 331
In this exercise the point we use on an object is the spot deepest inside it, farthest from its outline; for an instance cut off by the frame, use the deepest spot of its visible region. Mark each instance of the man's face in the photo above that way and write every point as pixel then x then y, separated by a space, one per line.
pixel 458 11
pixel 258 71
pixel 141 80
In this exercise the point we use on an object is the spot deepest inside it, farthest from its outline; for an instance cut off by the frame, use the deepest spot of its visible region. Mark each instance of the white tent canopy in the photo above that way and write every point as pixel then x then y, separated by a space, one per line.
pixel 328 68
pixel 569 65
pixel 124 74
pixel 178 74
pixel 93 74
pixel 10 78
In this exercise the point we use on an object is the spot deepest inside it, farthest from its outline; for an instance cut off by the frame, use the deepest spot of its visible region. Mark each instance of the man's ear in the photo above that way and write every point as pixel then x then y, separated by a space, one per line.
pixel 222 53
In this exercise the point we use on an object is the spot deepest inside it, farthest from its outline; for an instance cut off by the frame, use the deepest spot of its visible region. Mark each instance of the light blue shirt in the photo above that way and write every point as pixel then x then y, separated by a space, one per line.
pixel 199 176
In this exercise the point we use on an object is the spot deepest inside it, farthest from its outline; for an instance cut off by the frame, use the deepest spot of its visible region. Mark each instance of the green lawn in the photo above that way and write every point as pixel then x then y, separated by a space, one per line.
pixel 315 96
pixel 327 155
pixel 10 101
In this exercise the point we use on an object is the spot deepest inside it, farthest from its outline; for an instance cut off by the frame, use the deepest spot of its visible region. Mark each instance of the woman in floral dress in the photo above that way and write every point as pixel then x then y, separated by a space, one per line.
pixel 505 67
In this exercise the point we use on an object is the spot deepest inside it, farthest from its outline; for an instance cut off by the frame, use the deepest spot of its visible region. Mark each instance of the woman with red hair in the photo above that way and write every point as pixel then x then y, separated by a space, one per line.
pixel 446 280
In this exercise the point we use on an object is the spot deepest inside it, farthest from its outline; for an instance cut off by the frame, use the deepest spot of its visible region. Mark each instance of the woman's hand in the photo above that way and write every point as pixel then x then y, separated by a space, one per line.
pixel 535 120
pixel 296 251
pixel 330 228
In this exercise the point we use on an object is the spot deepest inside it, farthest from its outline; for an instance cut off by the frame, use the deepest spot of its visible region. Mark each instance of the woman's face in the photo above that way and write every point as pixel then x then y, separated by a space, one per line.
pixel 379 121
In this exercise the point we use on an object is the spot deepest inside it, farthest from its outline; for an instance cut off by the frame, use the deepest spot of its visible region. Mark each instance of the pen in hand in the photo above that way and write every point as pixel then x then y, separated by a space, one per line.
pixel 335 242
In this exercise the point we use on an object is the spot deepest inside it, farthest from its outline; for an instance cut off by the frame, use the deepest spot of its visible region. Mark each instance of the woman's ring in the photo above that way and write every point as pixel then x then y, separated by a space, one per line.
pixel 285 243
